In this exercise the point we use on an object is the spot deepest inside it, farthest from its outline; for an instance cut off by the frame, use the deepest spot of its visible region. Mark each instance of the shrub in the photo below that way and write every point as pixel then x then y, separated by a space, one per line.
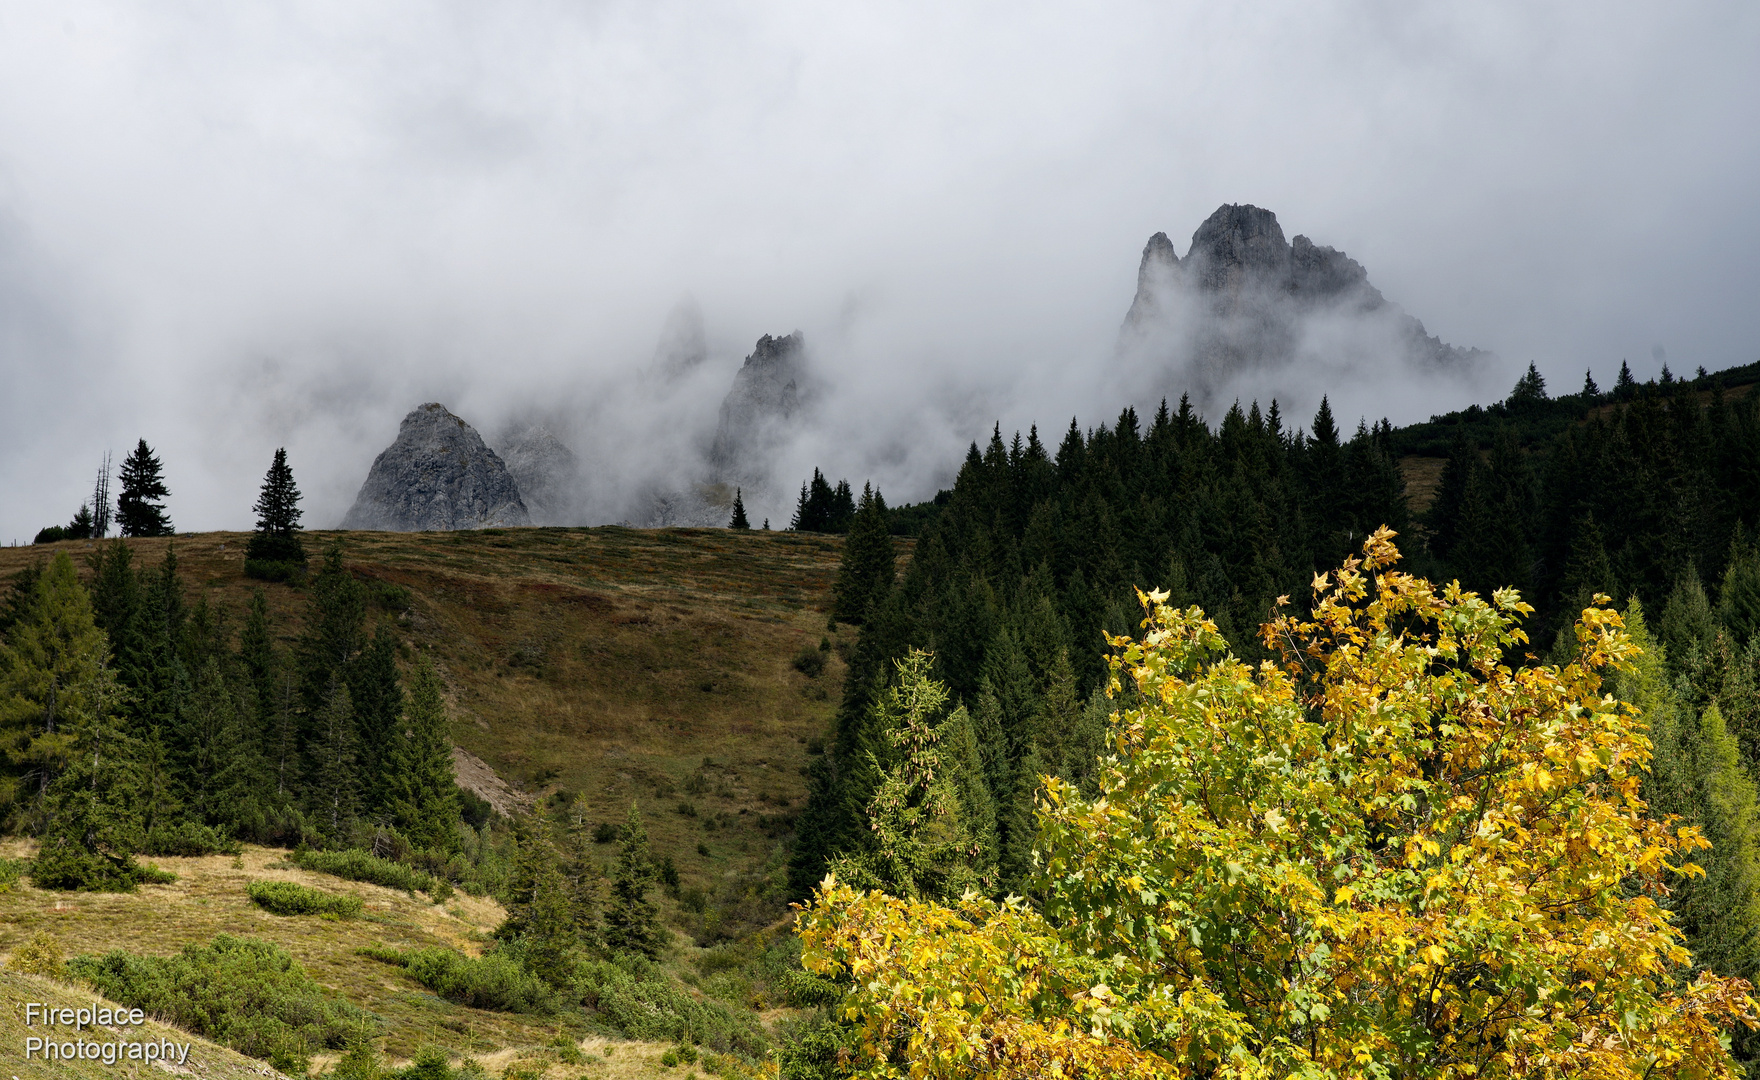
pixel 188 838
pixel 356 865
pixel 637 998
pixel 288 898
pixel 50 535
pixel 275 570
pixel 41 955
pixel 604 833
pixel 809 662
pixel 10 871
pixel 496 981
pixel 248 995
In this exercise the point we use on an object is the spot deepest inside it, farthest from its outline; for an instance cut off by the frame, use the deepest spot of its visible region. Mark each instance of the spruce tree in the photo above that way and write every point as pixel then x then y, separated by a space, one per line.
pixel 739 513
pixel 333 792
pixel 140 505
pixel 1625 388
pixel 1530 390
pixel 379 719
pixel 421 792
pixel 54 684
pixel 1590 390
pixel 866 573
pixel 534 853
pixel 1738 601
pixel 65 747
pixel 1688 629
pixel 221 772
pixel 335 628
pixel 632 924
pixel 80 528
pixel 277 508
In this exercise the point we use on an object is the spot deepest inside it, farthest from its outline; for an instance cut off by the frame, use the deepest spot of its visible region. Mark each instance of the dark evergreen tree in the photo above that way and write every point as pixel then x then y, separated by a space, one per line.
pixel 420 790
pixel 842 510
pixel 332 791
pixel 739 513
pixel 632 924
pixel 1738 600
pixel 80 528
pixel 1530 391
pixel 379 721
pixel 277 508
pixel 140 505
pixel 220 771
pixel 866 573
pixel 1625 388
pixel 1590 390
pixel 335 629
pixel 66 751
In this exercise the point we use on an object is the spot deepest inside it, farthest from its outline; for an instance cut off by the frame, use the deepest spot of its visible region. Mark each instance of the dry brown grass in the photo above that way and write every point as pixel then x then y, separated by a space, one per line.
pixel 614 662
pixel 632 666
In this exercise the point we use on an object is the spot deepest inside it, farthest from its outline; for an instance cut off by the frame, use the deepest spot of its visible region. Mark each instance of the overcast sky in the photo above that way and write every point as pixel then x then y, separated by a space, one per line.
pixel 231 227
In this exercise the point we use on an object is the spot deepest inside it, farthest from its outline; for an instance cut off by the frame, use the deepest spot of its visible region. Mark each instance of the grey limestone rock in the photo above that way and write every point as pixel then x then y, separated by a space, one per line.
pixel 437 475
pixel 546 471
pixel 766 394
pixel 1244 298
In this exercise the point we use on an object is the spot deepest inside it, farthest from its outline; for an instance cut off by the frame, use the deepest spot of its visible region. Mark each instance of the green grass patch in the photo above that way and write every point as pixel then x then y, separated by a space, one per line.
pixel 288 898
pixel 249 995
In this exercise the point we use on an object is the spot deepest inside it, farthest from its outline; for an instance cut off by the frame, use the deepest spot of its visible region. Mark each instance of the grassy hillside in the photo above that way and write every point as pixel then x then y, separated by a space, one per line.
pixel 646 667
pixel 205 1059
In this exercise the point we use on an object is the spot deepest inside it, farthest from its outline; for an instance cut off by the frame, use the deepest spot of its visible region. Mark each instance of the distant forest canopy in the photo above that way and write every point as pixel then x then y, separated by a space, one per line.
pixel 1648 492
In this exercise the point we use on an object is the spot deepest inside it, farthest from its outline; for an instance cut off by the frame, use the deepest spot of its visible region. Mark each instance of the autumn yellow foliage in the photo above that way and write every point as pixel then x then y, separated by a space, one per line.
pixel 1388 853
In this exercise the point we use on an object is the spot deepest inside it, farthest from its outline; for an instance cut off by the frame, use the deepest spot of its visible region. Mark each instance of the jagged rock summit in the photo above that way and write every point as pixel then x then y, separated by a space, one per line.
pixel 1244 298
pixel 766 394
pixel 546 472
pixel 437 475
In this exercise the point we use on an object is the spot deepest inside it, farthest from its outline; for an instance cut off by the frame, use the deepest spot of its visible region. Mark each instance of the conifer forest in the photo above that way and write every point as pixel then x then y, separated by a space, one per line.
pixel 1163 746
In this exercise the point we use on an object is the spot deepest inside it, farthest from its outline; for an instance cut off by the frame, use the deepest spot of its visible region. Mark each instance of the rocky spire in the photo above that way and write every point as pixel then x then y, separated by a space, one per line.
pixel 437 475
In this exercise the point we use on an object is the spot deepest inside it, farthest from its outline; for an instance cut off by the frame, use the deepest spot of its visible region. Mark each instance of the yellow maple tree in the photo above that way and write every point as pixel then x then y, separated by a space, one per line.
pixel 1388 853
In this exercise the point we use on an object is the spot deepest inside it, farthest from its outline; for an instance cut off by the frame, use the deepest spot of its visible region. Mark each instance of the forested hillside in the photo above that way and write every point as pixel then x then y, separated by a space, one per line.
pixel 1650 495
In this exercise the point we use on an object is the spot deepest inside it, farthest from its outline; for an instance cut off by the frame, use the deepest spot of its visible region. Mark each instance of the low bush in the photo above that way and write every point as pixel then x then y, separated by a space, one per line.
pixel 50 535
pixel 10 871
pixel 292 573
pixel 249 995
pixel 356 865
pixel 41 955
pixel 188 838
pixel 637 998
pixel 288 898
pixel 809 662
pixel 496 981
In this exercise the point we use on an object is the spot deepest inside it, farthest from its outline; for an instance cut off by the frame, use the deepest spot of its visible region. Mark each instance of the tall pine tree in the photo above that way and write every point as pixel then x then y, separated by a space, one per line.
pixel 277 508
pixel 420 790
pixel 140 505
pixel 865 576
pixel 632 923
